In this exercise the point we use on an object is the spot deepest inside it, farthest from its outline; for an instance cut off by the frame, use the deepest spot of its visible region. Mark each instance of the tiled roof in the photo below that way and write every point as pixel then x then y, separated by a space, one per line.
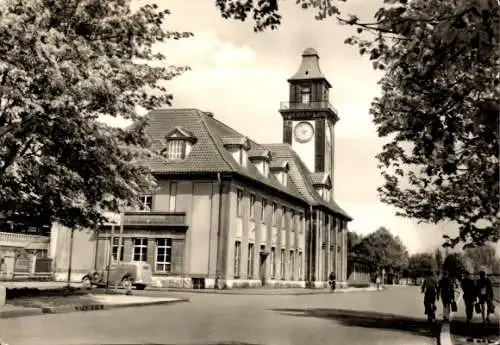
pixel 301 176
pixel 208 154
pixel 279 163
pixel 319 178
pixel 240 140
pixel 204 156
pixel 259 153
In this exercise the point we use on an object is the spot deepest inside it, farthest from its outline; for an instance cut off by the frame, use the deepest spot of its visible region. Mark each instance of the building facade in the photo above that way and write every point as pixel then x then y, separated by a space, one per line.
pixel 24 248
pixel 228 211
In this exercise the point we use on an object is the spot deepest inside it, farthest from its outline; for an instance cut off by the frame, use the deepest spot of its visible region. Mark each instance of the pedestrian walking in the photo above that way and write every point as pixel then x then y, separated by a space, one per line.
pixel 446 291
pixel 332 281
pixel 484 291
pixel 429 289
pixel 469 295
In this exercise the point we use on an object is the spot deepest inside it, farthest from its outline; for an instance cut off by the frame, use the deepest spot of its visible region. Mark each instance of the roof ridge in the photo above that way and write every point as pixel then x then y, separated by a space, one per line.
pixel 235 131
pixel 212 136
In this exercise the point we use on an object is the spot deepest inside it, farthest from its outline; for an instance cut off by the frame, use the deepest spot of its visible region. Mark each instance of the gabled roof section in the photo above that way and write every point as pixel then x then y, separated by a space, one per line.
pixel 279 164
pixel 205 155
pixel 221 130
pixel 259 154
pixel 180 133
pixel 236 141
pixel 301 177
pixel 321 179
pixel 208 153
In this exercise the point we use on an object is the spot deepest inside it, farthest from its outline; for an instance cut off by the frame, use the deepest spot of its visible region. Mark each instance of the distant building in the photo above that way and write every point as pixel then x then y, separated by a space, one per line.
pixel 231 209
pixel 24 247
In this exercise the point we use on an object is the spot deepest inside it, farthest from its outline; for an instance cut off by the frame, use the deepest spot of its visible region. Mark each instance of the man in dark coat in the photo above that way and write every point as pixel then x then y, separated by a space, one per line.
pixel 447 294
pixel 469 295
pixel 484 290
pixel 429 289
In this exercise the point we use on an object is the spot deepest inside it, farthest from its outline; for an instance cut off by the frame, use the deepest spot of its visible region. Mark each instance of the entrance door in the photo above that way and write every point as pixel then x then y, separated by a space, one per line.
pixel 262 268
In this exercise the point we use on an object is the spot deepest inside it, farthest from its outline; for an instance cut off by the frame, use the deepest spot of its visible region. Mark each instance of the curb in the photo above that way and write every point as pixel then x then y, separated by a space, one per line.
pixel 81 308
pixel 7 314
pixel 445 336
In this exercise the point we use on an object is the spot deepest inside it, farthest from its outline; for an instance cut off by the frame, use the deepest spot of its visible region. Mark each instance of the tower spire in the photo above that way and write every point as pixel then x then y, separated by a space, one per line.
pixel 309 68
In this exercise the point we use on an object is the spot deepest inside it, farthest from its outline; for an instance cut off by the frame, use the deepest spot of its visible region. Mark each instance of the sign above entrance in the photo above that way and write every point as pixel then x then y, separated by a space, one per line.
pixel 156 218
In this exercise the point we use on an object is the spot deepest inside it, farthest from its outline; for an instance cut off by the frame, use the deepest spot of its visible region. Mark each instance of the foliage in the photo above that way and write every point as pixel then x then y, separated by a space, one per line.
pixel 353 239
pixel 482 258
pixel 64 64
pixel 438 107
pixel 454 264
pixel 421 264
pixel 382 250
pixel 438 258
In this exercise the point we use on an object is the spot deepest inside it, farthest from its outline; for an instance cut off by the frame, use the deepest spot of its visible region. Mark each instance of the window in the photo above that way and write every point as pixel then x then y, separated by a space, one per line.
pixel 284 178
pixel 173 196
pixel 237 259
pixel 282 258
pixel 294 221
pixel 252 206
pixel 250 260
pixel 163 254
pixel 140 252
pixel 275 208
pixel 115 249
pixel 176 149
pixel 263 210
pixel 306 95
pixel 273 262
pixel 239 202
pixel 146 203
pixel 292 263
pixel 283 216
pixel 300 266
pixel 265 169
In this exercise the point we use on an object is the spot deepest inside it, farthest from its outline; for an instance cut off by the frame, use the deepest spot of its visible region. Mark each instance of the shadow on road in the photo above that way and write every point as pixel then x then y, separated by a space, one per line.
pixel 368 319
pixel 460 328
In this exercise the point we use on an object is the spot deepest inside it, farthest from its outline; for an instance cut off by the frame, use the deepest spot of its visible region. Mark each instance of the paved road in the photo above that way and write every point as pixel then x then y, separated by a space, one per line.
pixel 391 317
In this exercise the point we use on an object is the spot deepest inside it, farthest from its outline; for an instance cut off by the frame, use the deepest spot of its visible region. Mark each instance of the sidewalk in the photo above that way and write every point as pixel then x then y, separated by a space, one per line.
pixel 36 285
pixel 37 306
pixel 476 332
pixel 263 291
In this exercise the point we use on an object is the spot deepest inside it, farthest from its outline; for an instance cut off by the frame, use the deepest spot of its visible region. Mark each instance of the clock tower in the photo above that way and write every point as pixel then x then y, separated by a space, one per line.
pixel 308 116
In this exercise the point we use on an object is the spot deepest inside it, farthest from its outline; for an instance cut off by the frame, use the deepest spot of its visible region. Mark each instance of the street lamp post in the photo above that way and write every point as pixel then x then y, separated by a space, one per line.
pixel 110 254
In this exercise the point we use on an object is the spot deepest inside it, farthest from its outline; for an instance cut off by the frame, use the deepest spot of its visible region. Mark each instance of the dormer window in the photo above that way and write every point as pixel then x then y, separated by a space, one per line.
pixel 176 149
pixel 260 158
pixel 323 184
pixel 179 144
pixel 280 169
pixel 238 147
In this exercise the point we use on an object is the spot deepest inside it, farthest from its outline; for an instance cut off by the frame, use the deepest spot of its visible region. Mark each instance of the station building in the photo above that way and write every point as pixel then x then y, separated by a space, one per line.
pixel 228 210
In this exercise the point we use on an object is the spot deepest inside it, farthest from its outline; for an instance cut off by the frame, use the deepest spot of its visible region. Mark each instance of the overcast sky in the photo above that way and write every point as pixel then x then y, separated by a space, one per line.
pixel 241 76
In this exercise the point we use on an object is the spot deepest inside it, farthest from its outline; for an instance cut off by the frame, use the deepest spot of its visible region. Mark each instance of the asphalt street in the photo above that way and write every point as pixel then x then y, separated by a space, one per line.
pixel 394 316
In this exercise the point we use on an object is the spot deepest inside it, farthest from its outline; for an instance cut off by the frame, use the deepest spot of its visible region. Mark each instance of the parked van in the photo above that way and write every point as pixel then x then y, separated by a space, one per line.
pixel 122 274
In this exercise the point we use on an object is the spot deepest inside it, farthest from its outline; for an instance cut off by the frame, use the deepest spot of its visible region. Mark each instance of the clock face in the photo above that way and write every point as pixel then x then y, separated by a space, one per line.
pixel 304 131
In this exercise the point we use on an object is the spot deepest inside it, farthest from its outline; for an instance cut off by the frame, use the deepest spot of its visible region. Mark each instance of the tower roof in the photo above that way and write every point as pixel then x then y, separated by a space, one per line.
pixel 309 68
